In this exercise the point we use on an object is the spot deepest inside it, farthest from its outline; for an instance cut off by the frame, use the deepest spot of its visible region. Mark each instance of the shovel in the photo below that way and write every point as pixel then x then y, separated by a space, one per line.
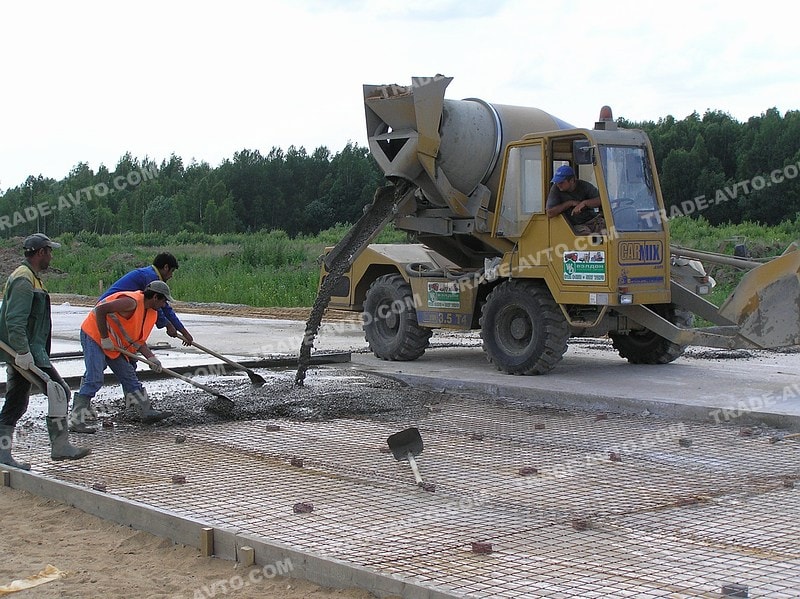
pixel 256 379
pixel 54 391
pixel 405 445
pixel 223 405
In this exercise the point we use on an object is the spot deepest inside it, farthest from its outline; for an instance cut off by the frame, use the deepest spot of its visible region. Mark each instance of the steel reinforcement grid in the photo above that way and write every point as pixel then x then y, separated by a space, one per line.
pixel 520 502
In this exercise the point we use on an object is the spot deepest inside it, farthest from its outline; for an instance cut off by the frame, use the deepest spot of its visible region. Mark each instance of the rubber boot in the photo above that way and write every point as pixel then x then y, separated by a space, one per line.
pixel 60 448
pixel 144 407
pixel 80 414
pixel 6 439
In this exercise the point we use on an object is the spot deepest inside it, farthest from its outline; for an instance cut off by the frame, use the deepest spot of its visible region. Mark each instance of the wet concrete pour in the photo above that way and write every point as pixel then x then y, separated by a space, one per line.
pixel 327 395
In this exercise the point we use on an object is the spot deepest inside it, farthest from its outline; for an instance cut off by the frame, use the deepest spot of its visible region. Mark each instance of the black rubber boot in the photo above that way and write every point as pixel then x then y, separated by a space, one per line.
pixel 144 407
pixel 60 448
pixel 81 413
pixel 6 440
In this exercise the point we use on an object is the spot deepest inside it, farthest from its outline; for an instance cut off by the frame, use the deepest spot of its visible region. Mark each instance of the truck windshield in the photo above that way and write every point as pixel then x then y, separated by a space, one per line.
pixel 631 189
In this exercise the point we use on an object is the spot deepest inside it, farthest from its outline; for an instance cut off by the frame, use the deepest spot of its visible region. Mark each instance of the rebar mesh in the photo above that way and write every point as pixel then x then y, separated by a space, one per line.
pixel 573 504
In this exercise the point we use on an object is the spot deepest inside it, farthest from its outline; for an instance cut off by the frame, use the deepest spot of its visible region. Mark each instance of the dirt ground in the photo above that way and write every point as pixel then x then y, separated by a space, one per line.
pixel 103 559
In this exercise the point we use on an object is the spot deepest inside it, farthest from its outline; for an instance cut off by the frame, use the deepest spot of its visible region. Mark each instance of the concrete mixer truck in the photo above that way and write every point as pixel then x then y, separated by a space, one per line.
pixel 470 179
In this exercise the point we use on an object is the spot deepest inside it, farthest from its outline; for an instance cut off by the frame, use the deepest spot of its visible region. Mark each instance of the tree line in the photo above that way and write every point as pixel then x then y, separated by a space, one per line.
pixel 739 172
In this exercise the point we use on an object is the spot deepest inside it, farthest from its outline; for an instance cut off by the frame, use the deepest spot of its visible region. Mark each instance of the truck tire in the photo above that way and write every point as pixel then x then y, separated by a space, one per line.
pixel 646 347
pixel 523 329
pixel 390 321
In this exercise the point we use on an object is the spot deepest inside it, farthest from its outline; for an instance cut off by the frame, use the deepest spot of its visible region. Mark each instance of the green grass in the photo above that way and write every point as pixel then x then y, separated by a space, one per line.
pixel 264 269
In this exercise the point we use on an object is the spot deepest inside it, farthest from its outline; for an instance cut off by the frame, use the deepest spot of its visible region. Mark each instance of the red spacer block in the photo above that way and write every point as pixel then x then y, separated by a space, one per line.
pixel 481 547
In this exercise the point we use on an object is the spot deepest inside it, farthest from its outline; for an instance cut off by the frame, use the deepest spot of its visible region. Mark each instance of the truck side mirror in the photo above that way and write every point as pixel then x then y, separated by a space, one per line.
pixel 582 152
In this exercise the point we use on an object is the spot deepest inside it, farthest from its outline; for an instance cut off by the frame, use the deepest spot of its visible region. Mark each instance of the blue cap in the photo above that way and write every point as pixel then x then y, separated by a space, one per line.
pixel 562 174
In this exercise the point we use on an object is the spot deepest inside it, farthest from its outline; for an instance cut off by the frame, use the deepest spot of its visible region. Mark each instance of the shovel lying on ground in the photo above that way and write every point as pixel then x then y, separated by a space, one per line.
pixel 779 438
pixel 256 379
pixel 223 405
pixel 54 391
pixel 405 445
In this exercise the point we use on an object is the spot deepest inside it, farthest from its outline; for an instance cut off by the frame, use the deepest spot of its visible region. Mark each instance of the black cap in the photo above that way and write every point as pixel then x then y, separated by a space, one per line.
pixel 38 241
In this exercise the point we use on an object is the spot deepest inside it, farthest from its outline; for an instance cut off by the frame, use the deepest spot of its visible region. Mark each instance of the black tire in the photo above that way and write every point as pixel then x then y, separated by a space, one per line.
pixel 523 329
pixel 646 347
pixel 390 321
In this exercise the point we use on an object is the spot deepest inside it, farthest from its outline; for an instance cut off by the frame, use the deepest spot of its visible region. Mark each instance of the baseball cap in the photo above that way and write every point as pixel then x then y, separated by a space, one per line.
pixel 160 287
pixel 38 241
pixel 563 173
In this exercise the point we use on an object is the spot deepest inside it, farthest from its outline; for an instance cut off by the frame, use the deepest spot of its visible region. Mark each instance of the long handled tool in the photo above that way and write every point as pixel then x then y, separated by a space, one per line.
pixel 778 438
pixel 54 391
pixel 405 445
pixel 223 405
pixel 256 379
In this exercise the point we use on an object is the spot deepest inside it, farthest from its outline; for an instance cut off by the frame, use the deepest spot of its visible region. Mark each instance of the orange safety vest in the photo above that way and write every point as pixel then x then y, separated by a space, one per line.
pixel 126 333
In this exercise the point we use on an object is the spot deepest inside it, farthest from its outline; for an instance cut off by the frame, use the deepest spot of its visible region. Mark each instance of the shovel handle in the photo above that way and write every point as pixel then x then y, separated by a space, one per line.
pixel 254 378
pixel 174 374
pixel 27 373
pixel 414 468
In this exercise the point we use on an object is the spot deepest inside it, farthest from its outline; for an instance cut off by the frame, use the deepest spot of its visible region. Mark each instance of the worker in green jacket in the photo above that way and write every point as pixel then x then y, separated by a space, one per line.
pixel 25 330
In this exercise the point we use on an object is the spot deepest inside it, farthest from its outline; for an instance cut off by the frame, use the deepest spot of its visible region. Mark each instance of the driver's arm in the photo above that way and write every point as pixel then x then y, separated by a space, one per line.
pixel 590 203
pixel 554 211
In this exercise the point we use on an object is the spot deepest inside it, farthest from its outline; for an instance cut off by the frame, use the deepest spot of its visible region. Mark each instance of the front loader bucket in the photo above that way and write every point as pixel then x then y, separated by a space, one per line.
pixel 766 303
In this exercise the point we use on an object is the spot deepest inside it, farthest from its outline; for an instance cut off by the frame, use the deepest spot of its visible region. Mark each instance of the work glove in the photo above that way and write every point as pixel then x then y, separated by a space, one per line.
pixel 24 361
pixel 106 343
pixel 155 364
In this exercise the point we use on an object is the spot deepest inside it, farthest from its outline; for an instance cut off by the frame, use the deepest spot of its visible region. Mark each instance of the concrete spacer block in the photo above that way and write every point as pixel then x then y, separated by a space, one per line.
pixel 735 590
pixel 206 542
pixel 247 556
pixel 303 508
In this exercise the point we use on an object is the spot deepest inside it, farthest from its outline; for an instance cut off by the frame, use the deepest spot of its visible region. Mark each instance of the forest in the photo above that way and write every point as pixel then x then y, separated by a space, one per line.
pixel 754 165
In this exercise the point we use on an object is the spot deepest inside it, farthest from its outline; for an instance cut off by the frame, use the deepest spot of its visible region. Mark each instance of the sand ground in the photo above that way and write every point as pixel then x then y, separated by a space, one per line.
pixel 103 559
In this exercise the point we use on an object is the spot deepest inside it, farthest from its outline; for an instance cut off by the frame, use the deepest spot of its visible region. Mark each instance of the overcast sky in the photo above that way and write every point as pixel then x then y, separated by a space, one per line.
pixel 87 81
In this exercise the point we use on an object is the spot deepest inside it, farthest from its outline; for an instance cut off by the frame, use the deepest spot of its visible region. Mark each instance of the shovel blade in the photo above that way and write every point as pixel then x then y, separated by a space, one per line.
pixel 406 442
pixel 220 405
pixel 255 379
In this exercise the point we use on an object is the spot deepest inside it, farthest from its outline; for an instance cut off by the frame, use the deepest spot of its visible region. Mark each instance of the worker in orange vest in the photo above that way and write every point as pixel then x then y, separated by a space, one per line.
pixel 123 320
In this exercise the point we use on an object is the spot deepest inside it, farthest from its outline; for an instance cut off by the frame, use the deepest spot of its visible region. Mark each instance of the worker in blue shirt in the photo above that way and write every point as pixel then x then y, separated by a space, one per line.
pixel 164 266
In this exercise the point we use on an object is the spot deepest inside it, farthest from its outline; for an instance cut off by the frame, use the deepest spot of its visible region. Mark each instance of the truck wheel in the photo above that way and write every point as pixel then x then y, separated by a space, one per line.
pixel 390 320
pixel 523 329
pixel 645 347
